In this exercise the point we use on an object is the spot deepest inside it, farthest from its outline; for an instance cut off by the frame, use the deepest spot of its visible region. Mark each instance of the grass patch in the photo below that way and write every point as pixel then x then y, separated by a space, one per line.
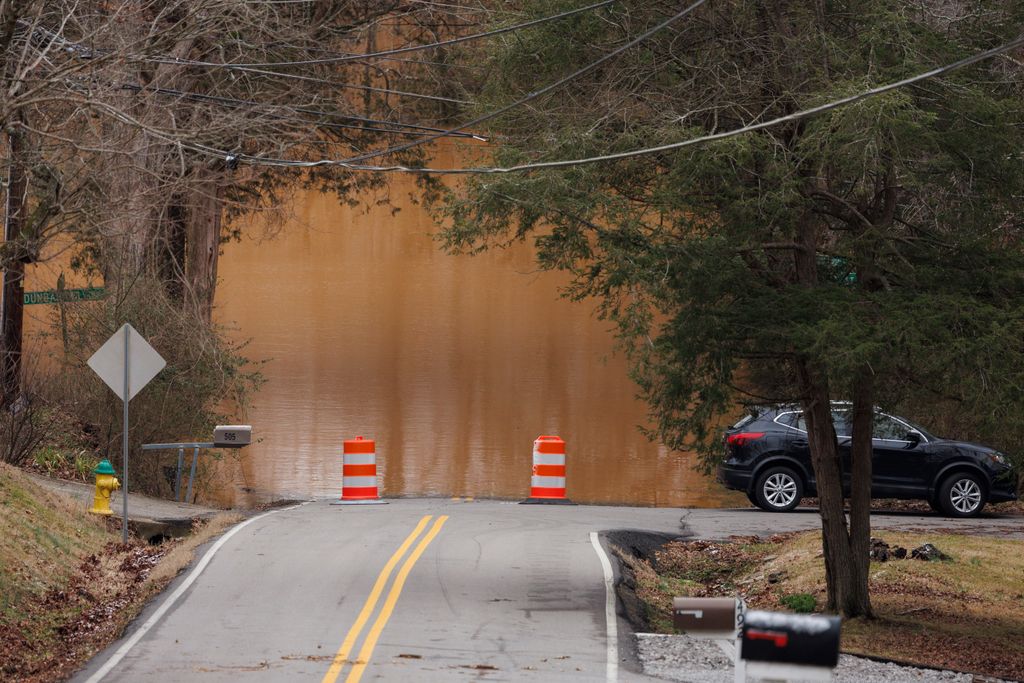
pixel 76 464
pixel 965 613
pixel 46 536
pixel 801 603
pixel 68 586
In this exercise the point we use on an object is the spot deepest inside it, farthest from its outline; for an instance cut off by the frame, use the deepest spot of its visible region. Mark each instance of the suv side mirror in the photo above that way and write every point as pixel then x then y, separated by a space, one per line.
pixel 914 437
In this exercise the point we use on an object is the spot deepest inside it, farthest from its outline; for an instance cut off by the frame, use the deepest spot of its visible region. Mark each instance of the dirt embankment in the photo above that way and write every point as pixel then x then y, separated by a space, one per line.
pixel 68 586
pixel 963 612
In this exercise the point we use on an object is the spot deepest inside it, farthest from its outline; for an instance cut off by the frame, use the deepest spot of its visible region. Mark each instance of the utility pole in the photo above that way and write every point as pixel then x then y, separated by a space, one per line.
pixel 12 306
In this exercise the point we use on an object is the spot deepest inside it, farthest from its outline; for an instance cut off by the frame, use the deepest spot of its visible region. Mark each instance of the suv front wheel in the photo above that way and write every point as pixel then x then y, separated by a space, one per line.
pixel 962 495
pixel 778 489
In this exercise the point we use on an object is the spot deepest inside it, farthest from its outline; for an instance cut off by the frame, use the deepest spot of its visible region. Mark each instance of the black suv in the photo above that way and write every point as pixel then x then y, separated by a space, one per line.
pixel 767 457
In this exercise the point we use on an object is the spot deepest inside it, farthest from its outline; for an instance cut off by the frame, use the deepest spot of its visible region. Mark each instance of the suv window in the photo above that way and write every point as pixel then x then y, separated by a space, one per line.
pixel 886 427
pixel 746 419
pixel 789 419
pixel 842 421
pixel 840 418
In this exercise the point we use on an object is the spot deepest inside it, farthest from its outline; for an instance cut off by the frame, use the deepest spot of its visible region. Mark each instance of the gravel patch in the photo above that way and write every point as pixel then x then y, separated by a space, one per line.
pixel 681 658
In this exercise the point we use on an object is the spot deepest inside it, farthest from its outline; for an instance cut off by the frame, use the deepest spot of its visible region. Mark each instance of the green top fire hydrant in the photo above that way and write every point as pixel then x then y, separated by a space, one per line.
pixel 106 483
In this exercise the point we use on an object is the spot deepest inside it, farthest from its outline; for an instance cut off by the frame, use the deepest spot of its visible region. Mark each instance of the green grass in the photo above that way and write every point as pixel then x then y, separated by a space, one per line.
pixel 802 603
pixel 45 538
pixel 963 613
pixel 66 590
pixel 70 462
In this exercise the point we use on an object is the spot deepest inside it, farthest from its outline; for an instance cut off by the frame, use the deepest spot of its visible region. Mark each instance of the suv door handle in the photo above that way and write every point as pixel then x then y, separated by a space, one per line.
pixel 800 443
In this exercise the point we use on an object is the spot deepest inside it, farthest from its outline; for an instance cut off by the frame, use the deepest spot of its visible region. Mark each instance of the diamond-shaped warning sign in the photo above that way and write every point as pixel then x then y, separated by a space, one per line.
pixel 143 362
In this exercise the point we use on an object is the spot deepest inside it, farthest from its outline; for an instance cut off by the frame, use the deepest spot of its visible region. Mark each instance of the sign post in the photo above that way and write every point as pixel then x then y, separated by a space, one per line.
pixel 126 363
pixel 125 399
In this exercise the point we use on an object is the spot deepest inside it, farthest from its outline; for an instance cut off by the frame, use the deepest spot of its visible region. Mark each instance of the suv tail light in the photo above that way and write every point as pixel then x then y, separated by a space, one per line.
pixel 743 438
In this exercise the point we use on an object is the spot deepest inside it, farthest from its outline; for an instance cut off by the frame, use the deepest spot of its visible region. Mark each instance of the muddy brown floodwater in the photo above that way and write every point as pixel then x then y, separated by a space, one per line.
pixel 454 365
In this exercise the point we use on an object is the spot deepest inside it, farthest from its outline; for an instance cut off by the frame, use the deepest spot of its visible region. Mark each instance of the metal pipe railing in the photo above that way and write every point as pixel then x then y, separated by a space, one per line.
pixel 180 447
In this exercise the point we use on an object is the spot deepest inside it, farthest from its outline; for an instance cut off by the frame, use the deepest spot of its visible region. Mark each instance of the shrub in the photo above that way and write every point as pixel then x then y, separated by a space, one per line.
pixel 803 603
pixel 29 422
pixel 206 378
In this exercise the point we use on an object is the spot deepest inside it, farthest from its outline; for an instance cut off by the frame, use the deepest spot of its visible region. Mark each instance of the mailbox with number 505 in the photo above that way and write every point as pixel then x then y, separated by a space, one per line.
pixel 232 436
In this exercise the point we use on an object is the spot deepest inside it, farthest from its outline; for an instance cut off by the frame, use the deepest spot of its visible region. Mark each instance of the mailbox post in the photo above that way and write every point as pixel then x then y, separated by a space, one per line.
pixel 224 436
pixel 786 647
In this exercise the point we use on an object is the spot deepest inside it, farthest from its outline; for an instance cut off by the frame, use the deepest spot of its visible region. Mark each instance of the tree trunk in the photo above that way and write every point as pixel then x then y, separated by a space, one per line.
pixel 138 235
pixel 202 248
pixel 845 555
pixel 821 435
pixel 12 311
pixel 857 598
pixel 170 252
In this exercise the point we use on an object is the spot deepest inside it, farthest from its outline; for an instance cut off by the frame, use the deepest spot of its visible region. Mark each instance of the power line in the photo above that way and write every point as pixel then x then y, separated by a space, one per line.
pixel 86 52
pixel 229 66
pixel 396 51
pixel 351 86
pixel 429 3
pixel 226 102
pixel 89 53
pixel 796 116
pixel 230 101
pixel 533 95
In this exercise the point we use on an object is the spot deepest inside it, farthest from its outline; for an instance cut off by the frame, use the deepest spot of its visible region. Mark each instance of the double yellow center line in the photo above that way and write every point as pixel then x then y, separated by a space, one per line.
pixel 359 665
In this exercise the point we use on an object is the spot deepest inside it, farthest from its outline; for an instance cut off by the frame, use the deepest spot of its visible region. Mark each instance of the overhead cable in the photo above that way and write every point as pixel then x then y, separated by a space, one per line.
pixel 395 51
pixel 350 86
pixel 86 52
pixel 431 3
pixel 230 101
pixel 533 95
pixel 796 116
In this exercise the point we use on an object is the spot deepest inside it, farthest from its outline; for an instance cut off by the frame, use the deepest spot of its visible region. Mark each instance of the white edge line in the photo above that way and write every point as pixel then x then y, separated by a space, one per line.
pixel 116 658
pixel 612 671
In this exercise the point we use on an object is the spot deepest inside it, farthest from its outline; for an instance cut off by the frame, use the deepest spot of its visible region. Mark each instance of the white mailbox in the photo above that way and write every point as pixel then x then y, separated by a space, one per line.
pixel 232 436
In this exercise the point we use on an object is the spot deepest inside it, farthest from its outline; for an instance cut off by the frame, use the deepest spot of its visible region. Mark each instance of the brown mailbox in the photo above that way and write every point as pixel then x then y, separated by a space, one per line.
pixel 706 617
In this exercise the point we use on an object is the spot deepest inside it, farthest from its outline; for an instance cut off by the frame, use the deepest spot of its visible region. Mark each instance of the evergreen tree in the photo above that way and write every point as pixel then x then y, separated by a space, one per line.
pixel 870 253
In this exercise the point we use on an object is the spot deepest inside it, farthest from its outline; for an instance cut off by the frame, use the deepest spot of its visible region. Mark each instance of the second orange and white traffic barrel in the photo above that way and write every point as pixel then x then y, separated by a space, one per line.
pixel 359 473
pixel 547 486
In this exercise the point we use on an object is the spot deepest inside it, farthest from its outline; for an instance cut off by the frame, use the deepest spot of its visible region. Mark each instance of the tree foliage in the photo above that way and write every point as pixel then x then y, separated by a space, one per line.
pixel 872 252
pixel 122 122
pixel 207 378
pixel 116 100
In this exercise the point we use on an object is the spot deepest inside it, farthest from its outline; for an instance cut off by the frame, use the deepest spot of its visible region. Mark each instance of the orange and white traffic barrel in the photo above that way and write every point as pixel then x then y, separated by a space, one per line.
pixel 359 473
pixel 548 483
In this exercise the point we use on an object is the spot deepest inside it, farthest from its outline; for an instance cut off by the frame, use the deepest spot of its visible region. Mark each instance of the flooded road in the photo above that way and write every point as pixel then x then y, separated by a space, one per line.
pixel 454 365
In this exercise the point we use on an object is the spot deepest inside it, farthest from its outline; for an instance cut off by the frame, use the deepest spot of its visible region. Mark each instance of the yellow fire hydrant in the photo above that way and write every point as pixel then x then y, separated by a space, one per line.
pixel 106 483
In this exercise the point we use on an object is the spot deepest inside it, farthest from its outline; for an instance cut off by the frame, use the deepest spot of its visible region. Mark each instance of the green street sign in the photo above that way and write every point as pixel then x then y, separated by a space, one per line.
pixel 56 296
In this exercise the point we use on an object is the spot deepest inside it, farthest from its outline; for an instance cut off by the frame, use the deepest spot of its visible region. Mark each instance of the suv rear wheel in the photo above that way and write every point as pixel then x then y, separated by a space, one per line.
pixel 962 495
pixel 778 489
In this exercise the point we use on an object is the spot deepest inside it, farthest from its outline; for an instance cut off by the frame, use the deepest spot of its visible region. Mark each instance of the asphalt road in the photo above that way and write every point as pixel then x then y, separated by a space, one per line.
pixel 418 590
